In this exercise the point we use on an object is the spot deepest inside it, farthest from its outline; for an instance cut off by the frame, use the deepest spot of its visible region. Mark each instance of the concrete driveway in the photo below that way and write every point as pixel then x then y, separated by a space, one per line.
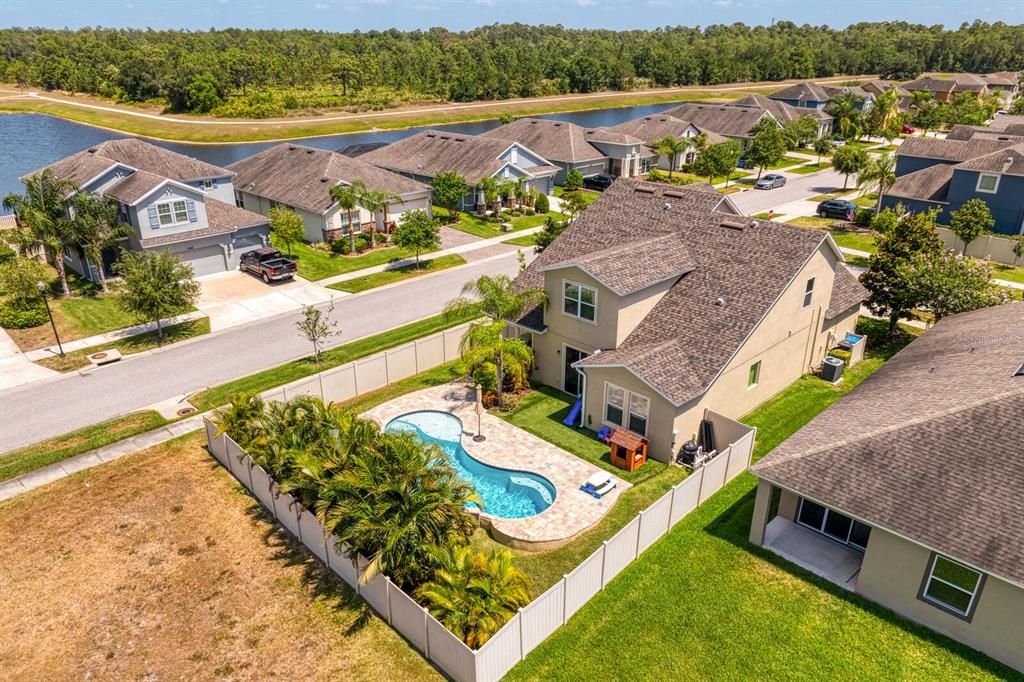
pixel 233 298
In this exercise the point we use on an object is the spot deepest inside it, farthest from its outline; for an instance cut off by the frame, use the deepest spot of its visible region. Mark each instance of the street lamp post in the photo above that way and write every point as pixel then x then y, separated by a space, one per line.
pixel 42 293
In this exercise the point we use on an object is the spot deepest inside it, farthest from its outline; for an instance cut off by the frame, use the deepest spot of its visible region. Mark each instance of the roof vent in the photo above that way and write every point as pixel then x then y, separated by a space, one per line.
pixel 92 150
pixel 557 124
pixel 533 123
pixel 460 139
pixel 323 179
pixel 446 137
pixel 733 224
pixel 668 206
pixel 674 194
pixel 431 135
pixel 1019 372
pixel 720 301
pixel 310 151
pixel 291 147
pixel 644 190
pixel 754 224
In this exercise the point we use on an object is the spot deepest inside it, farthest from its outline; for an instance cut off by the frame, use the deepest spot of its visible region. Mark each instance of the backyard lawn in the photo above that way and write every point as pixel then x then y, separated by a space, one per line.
pixel 314 264
pixel 379 279
pixel 132 344
pixel 158 566
pixel 846 239
pixel 811 168
pixel 869 200
pixel 589 195
pixel 1008 272
pixel 486 229
pixel 703 604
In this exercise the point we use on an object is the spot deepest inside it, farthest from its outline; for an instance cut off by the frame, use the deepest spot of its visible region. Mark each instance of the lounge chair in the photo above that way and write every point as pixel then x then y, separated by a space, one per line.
pixel 598 485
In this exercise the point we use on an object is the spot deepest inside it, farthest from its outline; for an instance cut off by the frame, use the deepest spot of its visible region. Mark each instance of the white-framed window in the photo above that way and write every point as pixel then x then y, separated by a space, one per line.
pixel 239 202
pixel 951 585
pixel 209 184
pixel 754 375
pixel 988 183
pixel 172 212
pixel 579 301
pixel 809 292
pixel 614 404
pixel 639 410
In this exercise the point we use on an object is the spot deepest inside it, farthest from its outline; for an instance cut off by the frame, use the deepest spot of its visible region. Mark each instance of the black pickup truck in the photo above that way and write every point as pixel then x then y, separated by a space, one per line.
pixel 267 263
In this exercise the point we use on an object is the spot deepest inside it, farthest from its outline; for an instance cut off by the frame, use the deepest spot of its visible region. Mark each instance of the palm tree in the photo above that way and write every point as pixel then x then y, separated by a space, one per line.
pixel 96 224
pixel 489 186
pixel 348 198
pixel 671 147
pixel 474 594
pixel 398 505
pixel 485 345
pixel 376 201
pixel 880 173
pixel 843 109
pixel 41 218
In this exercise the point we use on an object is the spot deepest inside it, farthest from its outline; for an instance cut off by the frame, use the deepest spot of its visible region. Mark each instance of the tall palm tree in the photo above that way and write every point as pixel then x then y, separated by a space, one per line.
pixel 474 594
pixel 671 147
pixel 485 344
pixel 378 201
pixel 348 198
pixel 96 224
pixel 41 218
pixel 398 505
pixel 880 173
pixel 489 186
pixel 843 109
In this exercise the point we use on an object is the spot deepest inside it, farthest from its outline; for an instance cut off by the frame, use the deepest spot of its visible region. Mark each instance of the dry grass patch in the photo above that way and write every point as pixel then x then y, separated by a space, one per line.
pixel 159 566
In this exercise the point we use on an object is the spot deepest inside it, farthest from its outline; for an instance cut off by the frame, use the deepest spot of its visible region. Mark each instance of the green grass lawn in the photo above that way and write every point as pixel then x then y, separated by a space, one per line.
pixel 589 195
pixel 379 279
pixel 858 261
pixel 848 239
pixel 525 240
pixel 703 604
pixel 304 367
pixel 32 457
pixel 132 344
pixel 818 198
pixel 811 221
pixel 1008 272
pixel 885 149
pixel 683 176
pixel 869 200
pixel 314 264
pixel 765 216
pixel 811 168
pixel 486 229
pixel 786 162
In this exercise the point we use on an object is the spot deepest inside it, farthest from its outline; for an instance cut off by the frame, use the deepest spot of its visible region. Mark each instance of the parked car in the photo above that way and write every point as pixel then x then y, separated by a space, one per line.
pixel 598 182
pixel 770 181
pixel 267 263
pixel 908 129
pixel 838 142
pixel 837 208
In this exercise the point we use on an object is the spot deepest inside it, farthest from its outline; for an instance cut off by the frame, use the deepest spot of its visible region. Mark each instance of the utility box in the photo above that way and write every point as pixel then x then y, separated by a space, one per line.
pixel 832 369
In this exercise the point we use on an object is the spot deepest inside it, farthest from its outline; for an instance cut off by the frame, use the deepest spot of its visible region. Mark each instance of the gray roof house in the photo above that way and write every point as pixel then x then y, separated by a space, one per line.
pixel 172 202
pixel 658 126
pixel 784 112
pixel 663 301
pixel 728 121
pixel 810 95
pixel 425 155
pixel 301 178
pixel 908 488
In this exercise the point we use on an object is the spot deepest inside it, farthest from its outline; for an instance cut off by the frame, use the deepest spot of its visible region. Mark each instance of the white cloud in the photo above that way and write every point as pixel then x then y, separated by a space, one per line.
pixel 722 3
pixel 586 3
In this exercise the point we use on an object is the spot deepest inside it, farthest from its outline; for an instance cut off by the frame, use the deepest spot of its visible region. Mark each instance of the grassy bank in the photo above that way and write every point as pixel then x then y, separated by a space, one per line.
pixel 132 344
pixel 379 279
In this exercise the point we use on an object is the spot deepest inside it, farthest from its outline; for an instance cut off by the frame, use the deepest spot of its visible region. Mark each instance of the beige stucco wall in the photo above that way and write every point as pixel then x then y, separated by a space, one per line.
pixel 892 574
pixel 661 411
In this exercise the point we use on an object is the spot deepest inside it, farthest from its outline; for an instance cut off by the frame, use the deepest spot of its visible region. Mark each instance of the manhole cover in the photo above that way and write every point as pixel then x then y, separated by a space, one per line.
pixel 99 356
pixel 186 410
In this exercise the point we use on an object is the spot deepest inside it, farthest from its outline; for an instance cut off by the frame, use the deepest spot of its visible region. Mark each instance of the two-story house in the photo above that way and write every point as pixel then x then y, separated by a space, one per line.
pixel 732 122
pixel 907 490
pixel 810 95
pixel 784 113
pixel 945 88
pixel 652 128
pixel 301 178
pixel 172 202
pixel 663 301
pixel 945 174
pixel 425 155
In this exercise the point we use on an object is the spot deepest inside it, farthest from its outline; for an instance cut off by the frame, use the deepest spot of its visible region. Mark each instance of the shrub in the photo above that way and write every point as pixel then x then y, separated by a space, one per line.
pixel 487 376
pixel 322 247
pixel 362 243
pixel 340 246
pixel 22 316
pixel 541 204
pixel 529 211
pixel 7 254
pixel 655 175
pixel 573 180
pixel 290 102
pixel 863 216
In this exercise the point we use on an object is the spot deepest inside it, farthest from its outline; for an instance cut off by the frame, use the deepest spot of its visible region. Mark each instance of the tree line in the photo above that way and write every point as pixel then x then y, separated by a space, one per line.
pixel 268 72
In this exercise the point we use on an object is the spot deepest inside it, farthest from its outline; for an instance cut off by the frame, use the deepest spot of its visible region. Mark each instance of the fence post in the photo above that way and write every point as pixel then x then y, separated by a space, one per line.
pixel 639 527
pixel 700 486
pixel 320 382
pixel 387 592
pixel 387 368
pixel 355 379
pixel 565 596
pixel 604 558
pixel 522 647
pixel 426 633
pixel 672 505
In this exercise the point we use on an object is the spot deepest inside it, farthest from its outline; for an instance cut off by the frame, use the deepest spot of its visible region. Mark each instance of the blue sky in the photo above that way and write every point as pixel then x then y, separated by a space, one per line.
pixel 346 15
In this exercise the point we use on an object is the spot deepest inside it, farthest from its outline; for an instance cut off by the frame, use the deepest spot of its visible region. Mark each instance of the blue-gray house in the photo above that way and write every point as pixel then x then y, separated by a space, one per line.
pixel 808 95
pixel 945 174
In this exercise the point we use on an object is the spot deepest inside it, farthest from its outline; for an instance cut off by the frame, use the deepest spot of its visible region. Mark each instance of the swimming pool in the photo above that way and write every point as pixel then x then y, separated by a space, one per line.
pixel 505 493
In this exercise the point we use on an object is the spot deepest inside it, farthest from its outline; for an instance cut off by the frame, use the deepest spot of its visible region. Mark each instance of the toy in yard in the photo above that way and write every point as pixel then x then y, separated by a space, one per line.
pixel 604 434
pixel 574 413
pixel 598 485
pixel 628 450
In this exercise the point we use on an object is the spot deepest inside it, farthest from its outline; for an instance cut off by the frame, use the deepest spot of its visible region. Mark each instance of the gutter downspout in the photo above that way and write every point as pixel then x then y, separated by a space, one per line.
pixel 583 399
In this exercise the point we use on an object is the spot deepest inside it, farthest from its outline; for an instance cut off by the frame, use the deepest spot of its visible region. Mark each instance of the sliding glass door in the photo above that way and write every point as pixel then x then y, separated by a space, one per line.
pixel 837 526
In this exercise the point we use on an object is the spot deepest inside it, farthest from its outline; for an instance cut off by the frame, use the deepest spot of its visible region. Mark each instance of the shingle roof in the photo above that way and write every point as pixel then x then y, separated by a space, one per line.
pixel 931 446
pixel 931 84
pixel 847 292
pixel 929 184
pixel 686 339
pixel 807 91
pixel 221 217
pixel 720 118
pixel 135 186
pixel 1004 121
pixel 949 150
pixel 780 110
pixel 1007 161
pixel 554 140
pixel 1012 133
pixel 431 152
pixel 657 126
pixel 303 176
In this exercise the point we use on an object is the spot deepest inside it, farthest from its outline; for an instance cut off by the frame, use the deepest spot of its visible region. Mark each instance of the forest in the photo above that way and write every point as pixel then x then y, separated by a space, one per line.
pixel 247 73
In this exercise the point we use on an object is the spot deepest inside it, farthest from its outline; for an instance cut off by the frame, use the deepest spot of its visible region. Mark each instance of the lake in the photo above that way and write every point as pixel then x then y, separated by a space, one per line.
pixel 31 141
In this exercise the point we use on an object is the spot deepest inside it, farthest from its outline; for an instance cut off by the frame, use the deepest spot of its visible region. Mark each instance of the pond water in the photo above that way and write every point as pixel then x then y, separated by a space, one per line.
pixel 31 141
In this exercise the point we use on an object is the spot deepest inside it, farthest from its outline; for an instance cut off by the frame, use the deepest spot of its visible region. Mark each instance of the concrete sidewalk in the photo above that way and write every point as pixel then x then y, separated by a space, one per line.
pixel 16 368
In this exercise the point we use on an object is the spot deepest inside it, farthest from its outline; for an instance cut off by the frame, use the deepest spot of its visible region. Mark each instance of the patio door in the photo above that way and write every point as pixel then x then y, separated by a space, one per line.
pixel 831 523
pixel 572 381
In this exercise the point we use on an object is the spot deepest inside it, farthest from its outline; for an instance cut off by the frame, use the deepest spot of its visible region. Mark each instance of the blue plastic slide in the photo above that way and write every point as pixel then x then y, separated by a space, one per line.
pixel 574 413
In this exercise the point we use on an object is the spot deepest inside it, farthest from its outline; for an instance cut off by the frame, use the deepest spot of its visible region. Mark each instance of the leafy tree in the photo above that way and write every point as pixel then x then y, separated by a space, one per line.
pixel 20 278
pixel 928 113
pixel 887 279
pixel 552 230
pixel 822 147
pixel 156 284
pixel 287 227
pixel 418 232
pixel 717 160
pixel 886 219
pixel 97 227
pixel 800 132
pixel 1018 248
pixel 573 203
pixel 474 594
pixel 348 197
pixel 971 221
pixel 542 204
pixel 507 117
pixel 202 95
pixel 316 326
pixel 883 113
pixel 847 118
pixel 449 189
pixel 485 345
pixel 849 160
pixel 573 180
pixel 768 146
pixel 880 174
pixel 965 108
pixel 947 284
pixel 1017 108
pixel 41 223
pixel 671 147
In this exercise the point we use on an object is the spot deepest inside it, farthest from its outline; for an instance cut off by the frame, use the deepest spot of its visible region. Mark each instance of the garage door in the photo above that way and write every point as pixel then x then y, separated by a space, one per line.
pixel 243 244
pixel 205 260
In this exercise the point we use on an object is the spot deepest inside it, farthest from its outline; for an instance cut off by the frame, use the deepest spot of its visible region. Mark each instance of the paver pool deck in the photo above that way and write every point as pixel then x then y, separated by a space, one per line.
pixel 509 447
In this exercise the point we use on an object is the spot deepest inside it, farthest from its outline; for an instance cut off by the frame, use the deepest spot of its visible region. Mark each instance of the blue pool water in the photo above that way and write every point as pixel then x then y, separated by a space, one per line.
pixel 505 493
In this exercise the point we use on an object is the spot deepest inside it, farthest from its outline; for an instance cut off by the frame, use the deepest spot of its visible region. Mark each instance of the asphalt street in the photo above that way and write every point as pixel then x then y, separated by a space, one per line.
pixel 45 409
pixel 797 187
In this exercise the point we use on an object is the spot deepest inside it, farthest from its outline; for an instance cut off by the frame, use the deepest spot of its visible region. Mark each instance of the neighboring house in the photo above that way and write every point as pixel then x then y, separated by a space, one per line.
pixel 944 174
pixel 809 95
pixel 1013 132
pixel 173 202
pixel 653 128
pixel 943 89
pixel 732 122
pixel 662 302
pixel 908 489
pixel 1010 123
pixel 425 155
pixel 591 151
pixel 301 178
pixel 785 113
pixel 879 87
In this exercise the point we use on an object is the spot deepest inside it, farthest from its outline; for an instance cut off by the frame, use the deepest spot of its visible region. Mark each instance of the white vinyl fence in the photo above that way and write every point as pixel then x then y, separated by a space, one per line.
pixel 544 615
